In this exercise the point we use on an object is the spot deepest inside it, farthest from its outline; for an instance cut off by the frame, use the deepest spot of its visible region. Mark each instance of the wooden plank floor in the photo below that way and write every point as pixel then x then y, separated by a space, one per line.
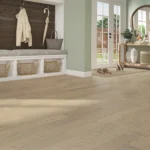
pixel 71 113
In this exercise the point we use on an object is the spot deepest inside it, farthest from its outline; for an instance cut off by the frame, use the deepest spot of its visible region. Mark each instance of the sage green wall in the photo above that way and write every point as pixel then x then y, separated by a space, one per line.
pixel 132 5
pixel 77 15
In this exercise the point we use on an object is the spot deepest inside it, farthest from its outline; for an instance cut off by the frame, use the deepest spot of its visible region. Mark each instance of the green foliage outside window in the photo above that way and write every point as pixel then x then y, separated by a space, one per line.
pixel 142 30
pixel 104 22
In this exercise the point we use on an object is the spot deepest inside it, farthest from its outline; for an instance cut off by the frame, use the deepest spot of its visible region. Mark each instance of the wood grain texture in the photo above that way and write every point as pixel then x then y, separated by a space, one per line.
pixel 71 113
pixel 8 23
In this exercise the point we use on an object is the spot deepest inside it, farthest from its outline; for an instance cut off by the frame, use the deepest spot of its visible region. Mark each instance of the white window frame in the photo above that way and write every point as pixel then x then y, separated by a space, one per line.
pixel 147 22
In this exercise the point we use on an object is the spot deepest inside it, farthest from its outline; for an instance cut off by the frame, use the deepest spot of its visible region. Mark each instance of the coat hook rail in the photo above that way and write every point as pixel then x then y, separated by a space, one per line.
pixel 23 3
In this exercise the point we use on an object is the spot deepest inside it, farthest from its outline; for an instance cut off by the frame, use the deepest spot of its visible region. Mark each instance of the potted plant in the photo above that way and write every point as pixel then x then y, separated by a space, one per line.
pixel 127 34
pixel 135 35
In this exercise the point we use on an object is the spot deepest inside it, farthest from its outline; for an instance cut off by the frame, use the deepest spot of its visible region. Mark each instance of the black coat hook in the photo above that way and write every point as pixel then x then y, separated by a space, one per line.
pixel 23 3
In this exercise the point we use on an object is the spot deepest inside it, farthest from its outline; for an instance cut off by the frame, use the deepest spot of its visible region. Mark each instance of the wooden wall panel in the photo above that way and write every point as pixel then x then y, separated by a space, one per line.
pixel 8 23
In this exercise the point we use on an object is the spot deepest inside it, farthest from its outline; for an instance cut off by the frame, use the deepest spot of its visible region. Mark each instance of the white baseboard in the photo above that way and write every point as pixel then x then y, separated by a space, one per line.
pixel 79 73
pixel 31 76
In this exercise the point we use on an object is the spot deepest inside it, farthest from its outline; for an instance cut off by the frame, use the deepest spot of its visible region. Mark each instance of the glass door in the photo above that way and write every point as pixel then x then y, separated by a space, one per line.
pixel 102 33
pixel 117 34
pixel 108 33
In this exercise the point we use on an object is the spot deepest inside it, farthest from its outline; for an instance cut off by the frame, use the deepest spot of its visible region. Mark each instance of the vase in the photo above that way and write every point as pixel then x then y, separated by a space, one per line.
pixel 134 55
pixel 128 56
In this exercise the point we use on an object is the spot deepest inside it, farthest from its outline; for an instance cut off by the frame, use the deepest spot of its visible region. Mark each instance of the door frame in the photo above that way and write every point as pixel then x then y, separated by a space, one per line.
pixel 123 24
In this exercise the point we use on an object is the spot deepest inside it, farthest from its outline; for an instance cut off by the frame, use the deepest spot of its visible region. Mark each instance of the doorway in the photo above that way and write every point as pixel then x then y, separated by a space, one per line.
pixel 107 27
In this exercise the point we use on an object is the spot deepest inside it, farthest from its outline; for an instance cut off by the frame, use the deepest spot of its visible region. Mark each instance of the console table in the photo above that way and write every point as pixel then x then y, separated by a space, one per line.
pixel 139 47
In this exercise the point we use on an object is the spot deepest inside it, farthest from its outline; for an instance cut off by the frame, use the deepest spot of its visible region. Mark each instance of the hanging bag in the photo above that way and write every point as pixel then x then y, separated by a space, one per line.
pixel 54 44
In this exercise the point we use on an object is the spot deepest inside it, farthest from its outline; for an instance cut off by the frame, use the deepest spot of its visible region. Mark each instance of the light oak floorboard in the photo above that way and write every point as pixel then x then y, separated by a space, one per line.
pixel 71 113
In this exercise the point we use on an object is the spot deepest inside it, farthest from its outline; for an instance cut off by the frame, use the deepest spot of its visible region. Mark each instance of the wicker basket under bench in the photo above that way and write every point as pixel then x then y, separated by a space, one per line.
pixel 48 65
pixel 4 69
pixel 52 66
pixel 27 68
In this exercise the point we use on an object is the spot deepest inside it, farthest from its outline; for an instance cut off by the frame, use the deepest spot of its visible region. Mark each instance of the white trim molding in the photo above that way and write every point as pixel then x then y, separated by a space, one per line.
pixel 79 73
pixel 53 2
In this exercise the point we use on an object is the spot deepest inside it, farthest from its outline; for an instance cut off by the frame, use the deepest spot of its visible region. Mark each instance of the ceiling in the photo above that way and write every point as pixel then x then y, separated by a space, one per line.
pixel 53 2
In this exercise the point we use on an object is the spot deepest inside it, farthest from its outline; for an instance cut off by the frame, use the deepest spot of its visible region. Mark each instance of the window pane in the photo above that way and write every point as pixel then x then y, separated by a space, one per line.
pixel 119 10
pixel 99 54
pixel 115 9
pixel 139 15
pixel 105 24
pixel 117 39
pixel 106 9
pixel 114 43
pixel 115 55
pixel 105 40
pixel 118 24
pixel 116 19
pixel 144 15
pixel 99 40
pixel 99 8
pixel 99 22
pixel 102 32
pixel 142 28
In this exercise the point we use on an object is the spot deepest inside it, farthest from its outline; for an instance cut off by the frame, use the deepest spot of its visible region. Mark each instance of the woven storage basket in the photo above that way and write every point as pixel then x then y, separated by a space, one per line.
pixel 52 66
pixel 4 69
pixel 27 68
pixel 145 58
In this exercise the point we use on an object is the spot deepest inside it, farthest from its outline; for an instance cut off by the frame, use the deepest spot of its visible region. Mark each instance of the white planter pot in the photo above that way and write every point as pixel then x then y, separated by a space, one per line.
pixel 126 40
pixel 134 55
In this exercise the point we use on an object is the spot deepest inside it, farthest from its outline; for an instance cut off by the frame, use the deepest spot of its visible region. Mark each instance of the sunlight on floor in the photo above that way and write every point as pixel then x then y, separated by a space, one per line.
pixel 23 110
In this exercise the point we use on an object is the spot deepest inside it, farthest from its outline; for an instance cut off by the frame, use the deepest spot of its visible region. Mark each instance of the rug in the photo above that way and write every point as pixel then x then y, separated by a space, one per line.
pixel 127 71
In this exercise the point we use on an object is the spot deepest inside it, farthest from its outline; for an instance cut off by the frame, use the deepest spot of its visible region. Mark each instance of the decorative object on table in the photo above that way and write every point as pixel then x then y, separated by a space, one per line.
pixel 23 32
pixel 4 69
pixel 127 34
pixel 103 71
pixel 134 36
pixel 145 39
pixel 52 66
pixel 46 24
pixel 54 44
pixel 128 56
pixel 27 68
pixel 134 55
pixel 139 38
pixel 145 58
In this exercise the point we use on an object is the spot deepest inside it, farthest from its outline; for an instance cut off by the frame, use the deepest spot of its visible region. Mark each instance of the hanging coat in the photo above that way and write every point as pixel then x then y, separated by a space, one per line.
pixel 23 32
